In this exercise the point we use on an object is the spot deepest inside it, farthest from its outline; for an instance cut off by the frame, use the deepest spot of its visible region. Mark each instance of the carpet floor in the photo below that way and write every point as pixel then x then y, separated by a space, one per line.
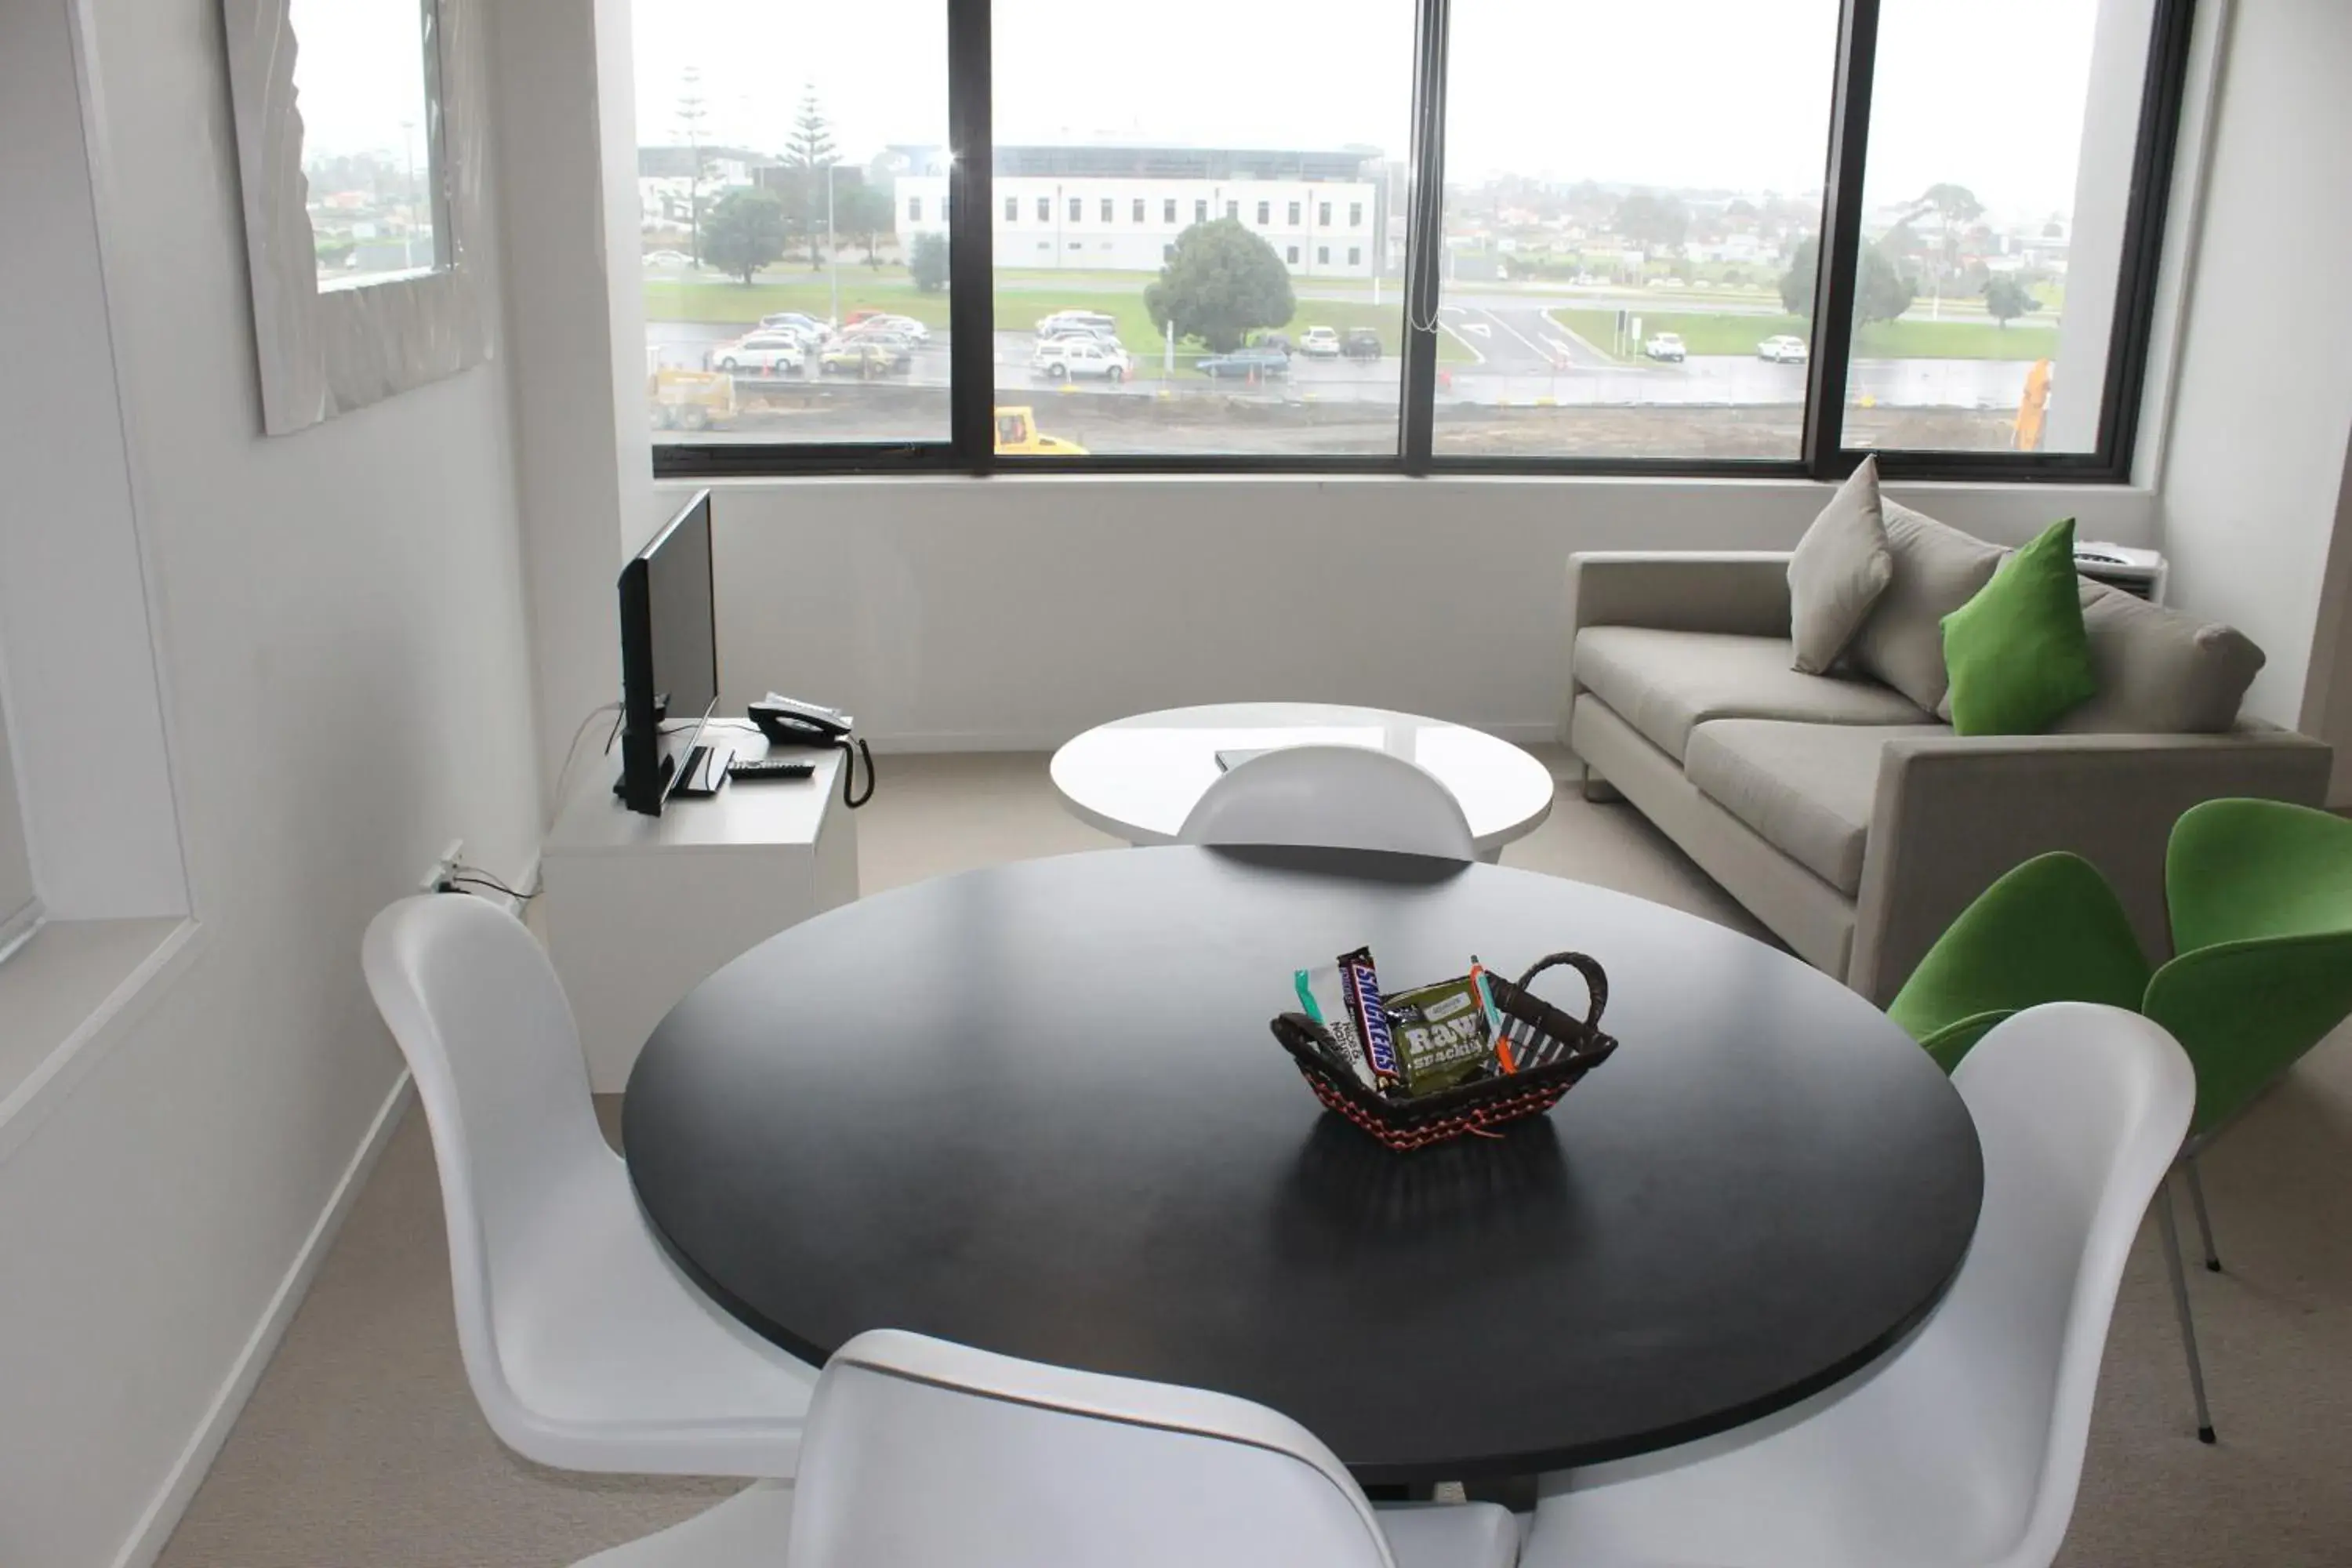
pixel 362 1447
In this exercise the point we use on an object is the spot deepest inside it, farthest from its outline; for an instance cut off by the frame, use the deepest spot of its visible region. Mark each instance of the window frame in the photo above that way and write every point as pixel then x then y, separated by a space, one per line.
pixel 1823 456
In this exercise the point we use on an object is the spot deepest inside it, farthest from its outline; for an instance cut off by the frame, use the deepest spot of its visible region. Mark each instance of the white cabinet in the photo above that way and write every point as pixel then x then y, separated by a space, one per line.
pixel 640 910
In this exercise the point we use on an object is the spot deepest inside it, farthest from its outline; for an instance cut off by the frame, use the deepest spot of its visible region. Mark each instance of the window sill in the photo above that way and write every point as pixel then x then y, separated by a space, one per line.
pixel 69 992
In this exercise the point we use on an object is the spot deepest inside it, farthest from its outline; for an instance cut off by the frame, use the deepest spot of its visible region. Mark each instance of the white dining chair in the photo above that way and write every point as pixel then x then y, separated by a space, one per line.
pixel 1963 1447
pixel 587 1350
pixel 1347 797
pixel 924 1454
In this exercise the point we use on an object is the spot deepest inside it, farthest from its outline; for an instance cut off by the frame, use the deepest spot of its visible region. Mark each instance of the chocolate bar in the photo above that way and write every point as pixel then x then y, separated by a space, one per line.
pixel 1359 981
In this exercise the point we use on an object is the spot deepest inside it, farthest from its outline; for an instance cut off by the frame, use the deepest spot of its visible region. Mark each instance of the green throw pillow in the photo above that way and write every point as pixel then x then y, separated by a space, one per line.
pixel 2017 653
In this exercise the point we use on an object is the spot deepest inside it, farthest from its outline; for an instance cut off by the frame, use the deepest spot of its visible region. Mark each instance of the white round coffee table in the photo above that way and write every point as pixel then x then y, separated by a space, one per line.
pixel 1138 778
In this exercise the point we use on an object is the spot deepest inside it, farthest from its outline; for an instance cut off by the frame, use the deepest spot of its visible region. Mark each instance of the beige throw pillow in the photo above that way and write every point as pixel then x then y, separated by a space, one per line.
pixel 1936 570
pixel 2160 672
pixel 1839 570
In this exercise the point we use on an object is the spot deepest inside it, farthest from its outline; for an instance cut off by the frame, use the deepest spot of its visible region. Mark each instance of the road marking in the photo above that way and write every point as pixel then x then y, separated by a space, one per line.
pixel 1481 328
pixel 1534 347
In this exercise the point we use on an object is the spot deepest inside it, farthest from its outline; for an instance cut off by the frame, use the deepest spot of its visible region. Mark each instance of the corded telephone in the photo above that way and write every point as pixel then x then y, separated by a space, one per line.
pixel 788 721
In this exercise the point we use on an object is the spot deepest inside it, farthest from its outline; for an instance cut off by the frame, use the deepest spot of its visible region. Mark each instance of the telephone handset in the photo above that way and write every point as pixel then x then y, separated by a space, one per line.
pixel 788 721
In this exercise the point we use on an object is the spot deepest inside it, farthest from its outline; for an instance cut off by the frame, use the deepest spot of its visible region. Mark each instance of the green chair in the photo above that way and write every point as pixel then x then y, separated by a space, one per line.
pixel 2260 894
pixel 2050 930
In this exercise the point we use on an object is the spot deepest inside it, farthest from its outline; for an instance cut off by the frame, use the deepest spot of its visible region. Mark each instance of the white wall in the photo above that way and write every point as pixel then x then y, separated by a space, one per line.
pixel 2254 468
pixel 1015 612
pixel 341 616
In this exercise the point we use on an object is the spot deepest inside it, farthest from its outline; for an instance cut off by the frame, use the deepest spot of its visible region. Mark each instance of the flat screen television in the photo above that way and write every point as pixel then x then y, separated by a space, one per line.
pixel 670 655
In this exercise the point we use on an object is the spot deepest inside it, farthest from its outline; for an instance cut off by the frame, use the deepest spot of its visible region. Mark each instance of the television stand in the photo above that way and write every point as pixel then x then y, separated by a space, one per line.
pixel 640 910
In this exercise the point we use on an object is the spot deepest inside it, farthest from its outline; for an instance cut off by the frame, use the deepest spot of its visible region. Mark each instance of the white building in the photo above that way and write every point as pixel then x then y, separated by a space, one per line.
pixel 1119 209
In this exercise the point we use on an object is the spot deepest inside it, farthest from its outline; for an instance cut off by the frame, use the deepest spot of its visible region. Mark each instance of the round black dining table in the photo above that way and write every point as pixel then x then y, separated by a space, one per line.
pixel 1037 1108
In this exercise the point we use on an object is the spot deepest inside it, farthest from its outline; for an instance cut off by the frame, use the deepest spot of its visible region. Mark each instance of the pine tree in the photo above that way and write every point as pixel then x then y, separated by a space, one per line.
pixel 692 112
pixel 808 152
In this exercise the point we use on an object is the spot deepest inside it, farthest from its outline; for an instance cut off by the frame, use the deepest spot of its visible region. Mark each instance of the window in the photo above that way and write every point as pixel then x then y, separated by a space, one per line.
pixel 1742 247
pixel 1994 237
pixel 739 165
pixel 947 206
pixel 1676 241
pixel 1218 152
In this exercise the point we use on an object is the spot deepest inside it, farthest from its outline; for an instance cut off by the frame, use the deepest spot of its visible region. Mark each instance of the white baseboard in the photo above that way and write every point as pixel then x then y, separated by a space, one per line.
pixel 163 1515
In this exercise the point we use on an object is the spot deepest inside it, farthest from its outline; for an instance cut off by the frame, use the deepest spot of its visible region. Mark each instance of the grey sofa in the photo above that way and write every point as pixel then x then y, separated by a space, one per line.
pixel 1852 823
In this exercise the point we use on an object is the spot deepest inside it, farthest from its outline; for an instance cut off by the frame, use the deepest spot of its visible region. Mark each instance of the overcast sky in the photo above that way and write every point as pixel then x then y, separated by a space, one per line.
pixel 1722 93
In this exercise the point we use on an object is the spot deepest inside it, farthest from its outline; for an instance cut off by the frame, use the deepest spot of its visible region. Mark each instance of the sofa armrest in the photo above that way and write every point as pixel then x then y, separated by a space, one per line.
pixel 1744 592
pixel 1952 813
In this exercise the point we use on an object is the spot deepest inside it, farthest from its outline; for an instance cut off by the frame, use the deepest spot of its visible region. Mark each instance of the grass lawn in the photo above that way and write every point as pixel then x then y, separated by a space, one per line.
pixel 1704 334
pixel 1022 301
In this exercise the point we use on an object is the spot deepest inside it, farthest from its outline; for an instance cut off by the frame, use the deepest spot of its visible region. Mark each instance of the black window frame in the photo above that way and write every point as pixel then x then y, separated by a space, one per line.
pixel 969 447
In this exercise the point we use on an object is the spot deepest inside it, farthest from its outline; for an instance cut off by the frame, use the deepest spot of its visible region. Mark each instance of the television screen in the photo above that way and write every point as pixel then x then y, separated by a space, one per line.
pixel 670 653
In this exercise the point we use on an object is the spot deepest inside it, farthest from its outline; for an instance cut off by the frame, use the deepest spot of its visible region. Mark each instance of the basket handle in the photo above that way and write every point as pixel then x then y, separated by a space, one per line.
pixel 1596 982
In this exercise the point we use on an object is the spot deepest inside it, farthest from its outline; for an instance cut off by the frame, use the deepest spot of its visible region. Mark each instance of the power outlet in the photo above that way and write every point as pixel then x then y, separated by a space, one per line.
pixel 443 868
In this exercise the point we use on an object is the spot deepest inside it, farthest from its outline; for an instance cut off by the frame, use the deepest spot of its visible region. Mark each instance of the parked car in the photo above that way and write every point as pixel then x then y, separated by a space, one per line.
pixel 1073 358
pixel 868 356
pixel 1782 350
pixel 808 326
pixel 905 326
pixel 1078 319
pixel 1361 342
pixel 1077 330
pixel 1257 359
pixel 1319 342
pixel 668 258
pixel 1272 340
pixel 1665 345
pixel 767 354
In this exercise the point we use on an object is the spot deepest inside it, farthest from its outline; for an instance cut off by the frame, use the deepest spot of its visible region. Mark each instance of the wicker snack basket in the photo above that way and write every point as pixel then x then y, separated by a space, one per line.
pixel 1476 1107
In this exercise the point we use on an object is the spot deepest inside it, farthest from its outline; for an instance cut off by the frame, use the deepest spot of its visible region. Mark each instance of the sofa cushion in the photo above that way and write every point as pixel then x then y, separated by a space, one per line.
pixel 1837 572
pixel 1936 570
pixel 2016 654
pixel 1664 683
pixel 1806 789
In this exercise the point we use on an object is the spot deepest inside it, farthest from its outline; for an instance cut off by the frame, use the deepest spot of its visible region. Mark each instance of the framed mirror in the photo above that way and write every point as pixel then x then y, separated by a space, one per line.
pixel 359 149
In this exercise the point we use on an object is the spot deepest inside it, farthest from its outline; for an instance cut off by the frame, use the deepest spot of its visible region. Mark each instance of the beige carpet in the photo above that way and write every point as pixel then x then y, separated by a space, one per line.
pixel 362 1447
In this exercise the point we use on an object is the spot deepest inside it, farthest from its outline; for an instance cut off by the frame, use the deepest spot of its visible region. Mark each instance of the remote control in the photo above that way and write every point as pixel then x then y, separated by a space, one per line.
pixel 768 768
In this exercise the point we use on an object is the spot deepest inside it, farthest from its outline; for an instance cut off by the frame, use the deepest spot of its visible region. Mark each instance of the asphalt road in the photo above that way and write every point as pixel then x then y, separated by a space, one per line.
pixel 1524 360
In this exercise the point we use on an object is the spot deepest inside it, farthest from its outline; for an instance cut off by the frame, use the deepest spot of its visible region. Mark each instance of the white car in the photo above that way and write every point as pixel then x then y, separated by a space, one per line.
pixel 905 326
pixel 1665 345
pixel 668 258
pixel 1091 320
pixel 809 329
pixel 767 354
pixel 1319 342
pixel 1782 350
pixel 1071 358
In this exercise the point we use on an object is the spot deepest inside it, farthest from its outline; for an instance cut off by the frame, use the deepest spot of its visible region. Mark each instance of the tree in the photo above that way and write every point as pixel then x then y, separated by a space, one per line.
pixel 746 230
pixel 692 112
pixel 1652 221
pixel 1223 283
pixel 866 214
pixel 2007 298
pixel 1956 207
pixel 1882 293
pixel 808 152
pixel 928 262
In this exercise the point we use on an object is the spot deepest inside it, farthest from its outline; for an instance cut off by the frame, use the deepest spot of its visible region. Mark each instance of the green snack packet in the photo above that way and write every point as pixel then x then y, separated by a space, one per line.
pixel 1443 1036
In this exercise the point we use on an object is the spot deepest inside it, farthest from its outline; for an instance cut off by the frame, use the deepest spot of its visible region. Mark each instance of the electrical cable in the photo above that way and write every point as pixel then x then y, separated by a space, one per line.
pixel 571 752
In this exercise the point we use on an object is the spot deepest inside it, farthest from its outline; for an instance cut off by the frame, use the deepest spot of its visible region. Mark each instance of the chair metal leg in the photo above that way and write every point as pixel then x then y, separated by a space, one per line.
pixel 2180 1305
pixel 2204 1221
